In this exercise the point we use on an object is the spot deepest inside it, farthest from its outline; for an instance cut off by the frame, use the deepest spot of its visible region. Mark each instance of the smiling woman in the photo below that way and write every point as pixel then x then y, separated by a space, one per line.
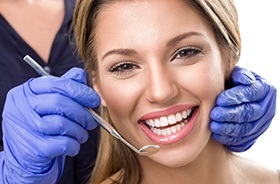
pixel 158 81
pixel 165 71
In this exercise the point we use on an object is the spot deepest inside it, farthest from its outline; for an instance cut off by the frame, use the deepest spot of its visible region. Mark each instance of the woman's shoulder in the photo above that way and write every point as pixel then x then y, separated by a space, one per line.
pixel 278 176
pixel 253 172
pixel 266 175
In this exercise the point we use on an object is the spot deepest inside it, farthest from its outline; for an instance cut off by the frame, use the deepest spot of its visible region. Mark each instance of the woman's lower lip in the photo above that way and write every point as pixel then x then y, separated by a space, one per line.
pixel 173 138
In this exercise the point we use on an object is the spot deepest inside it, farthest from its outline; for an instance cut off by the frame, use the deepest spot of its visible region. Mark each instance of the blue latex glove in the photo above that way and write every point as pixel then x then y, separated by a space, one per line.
pixel 44 120
pixel 243 112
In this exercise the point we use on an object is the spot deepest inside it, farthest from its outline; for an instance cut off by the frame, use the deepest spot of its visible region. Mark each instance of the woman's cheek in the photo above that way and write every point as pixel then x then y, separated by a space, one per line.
pixel 119 97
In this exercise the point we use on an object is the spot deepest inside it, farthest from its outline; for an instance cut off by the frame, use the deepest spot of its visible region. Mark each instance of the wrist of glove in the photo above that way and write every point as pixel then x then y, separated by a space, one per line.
pixel 243 112
pixel 44 120
pixel 17 174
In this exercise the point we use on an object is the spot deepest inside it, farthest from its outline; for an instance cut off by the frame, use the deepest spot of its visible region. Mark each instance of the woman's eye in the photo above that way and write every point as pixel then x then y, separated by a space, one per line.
pixel 123 68
pixel 186 53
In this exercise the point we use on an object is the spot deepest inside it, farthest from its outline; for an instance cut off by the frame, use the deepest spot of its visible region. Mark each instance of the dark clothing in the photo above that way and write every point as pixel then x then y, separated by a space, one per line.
pixel 14 71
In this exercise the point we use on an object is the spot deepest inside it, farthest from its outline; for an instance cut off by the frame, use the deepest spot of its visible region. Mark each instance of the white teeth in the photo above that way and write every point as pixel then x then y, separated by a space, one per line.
pixel 173 129
pixel 178 127
pixel 163 121
pixel 172 119
pixel 184 114
pixel 169 120
pixel 178 117
pixel 168 131
pixel 157 123
pixel 151 123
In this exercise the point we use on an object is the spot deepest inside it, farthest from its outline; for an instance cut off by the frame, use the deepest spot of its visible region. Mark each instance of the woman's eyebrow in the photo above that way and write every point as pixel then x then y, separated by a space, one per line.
pixel 172 42
pixel 181 37
pixel 125 52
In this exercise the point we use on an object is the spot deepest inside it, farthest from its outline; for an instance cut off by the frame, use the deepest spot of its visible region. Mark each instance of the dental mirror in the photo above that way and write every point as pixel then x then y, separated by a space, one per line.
pixel 145 150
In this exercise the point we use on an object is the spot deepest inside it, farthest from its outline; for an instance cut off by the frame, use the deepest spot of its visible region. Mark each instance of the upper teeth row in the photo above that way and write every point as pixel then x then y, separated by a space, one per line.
pixel 168 120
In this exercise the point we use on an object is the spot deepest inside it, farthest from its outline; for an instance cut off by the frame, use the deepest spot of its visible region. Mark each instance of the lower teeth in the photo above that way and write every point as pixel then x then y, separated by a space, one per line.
pixel 170 130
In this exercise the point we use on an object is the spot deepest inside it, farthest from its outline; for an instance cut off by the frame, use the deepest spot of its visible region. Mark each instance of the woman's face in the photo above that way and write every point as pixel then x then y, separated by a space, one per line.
pixel 160 71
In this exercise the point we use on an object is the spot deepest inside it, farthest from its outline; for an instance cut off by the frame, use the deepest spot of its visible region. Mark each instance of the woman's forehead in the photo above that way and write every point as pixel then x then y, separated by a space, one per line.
pixel 138 21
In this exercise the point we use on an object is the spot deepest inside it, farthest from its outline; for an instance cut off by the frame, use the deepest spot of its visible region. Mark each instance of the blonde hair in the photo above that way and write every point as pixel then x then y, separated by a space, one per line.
pixel 113 155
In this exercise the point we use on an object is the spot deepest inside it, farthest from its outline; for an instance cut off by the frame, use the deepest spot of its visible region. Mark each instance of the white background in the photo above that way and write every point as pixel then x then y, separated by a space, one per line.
pixel 259 23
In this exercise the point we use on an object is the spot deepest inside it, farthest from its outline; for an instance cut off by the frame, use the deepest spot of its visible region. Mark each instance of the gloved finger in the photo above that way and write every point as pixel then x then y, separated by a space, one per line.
pixel 76 74
pixel 241 133
pixel 37 147
pixel 53 146
pixel 81 93
pixel 242 76
pixel 242 147
pixel 238 136
pixel 228 129
pixel 247 112
pixel 235 148
pixel 225 139
pixel 242 113
pixel 240 129
pixel 240 94
pixel 50 146
pixel 55 125
pixel 64 106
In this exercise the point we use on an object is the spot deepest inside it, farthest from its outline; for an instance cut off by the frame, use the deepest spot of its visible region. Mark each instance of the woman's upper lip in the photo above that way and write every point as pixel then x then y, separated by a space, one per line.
pixel 166 112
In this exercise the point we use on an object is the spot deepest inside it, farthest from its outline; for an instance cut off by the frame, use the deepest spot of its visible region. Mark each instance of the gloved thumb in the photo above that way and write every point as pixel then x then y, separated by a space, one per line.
pixel 242 76
pixel 76 74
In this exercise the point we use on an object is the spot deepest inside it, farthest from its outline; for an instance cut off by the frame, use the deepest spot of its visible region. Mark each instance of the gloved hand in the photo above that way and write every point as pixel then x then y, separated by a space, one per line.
pixel 44 120
pixel 243 112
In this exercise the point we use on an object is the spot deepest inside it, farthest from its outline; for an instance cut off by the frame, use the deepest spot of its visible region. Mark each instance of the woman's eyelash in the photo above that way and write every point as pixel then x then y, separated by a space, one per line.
pixel 122 67
pixel 186 53
pixel 126 67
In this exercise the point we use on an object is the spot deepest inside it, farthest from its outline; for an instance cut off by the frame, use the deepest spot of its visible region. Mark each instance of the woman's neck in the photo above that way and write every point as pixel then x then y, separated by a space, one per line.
pixel 213 165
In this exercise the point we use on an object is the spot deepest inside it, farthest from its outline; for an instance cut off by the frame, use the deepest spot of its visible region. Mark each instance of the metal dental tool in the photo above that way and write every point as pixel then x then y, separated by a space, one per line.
pixel 145 150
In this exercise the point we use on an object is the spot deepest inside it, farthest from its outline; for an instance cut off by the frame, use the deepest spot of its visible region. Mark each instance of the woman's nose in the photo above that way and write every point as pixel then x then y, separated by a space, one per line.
pixel 161 86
